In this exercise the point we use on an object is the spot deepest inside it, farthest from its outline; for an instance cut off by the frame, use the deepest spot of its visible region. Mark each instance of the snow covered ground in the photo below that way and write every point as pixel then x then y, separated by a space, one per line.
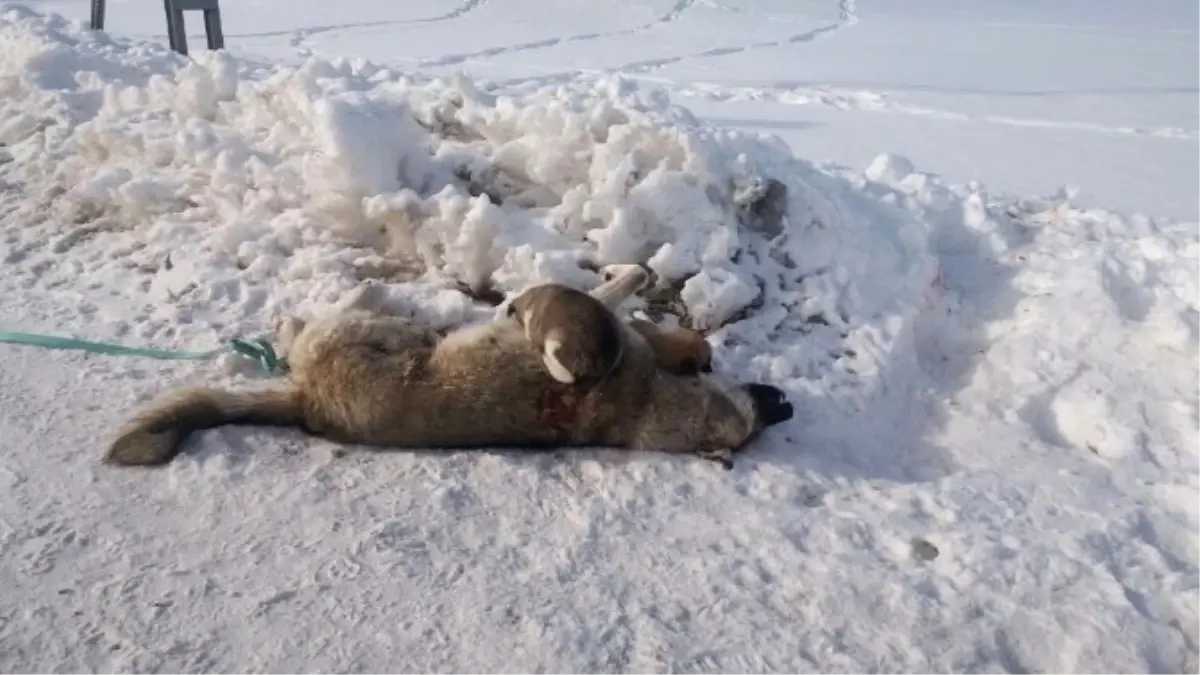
pixel 994 466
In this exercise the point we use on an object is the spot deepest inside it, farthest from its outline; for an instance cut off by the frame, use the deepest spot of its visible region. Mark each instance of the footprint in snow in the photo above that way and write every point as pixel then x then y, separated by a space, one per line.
pixel 924 550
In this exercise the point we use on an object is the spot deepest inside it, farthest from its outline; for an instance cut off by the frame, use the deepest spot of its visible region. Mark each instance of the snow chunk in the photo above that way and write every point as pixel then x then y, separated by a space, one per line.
pixel 889 168
pixel 714 295
pixel 1084 412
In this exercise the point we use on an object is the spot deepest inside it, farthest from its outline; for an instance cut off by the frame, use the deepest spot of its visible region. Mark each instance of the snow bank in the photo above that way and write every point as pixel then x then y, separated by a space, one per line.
pixel 264 188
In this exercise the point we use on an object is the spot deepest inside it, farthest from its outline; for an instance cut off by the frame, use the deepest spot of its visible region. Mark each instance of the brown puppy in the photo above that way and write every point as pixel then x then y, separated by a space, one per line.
pixel 580 339
pixel 680 351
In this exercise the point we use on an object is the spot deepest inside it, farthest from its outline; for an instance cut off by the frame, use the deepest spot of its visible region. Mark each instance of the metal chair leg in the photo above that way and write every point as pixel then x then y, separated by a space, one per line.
pixel 212 28
pixel 176 33
pixel 98 8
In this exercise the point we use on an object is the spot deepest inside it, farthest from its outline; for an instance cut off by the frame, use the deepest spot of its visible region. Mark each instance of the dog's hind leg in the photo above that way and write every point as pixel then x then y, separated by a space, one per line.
pixel 287 329
pixel 388 334
pixel 367 299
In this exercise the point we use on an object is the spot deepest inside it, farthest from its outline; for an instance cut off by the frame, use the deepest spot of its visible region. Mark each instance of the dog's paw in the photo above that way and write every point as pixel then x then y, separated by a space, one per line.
pixel 722 456
pixel 770 404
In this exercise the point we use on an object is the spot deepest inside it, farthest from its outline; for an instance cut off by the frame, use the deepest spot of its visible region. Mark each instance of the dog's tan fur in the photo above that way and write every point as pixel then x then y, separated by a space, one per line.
pixel 361 377
pixel 681 351
pixel 580 339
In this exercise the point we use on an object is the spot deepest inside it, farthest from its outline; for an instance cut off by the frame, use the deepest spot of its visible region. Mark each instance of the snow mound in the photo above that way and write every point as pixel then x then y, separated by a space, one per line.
pixel 260 189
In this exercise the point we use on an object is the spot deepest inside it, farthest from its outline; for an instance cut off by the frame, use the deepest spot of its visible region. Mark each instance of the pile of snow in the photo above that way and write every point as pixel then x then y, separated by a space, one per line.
pixel 993 466
pixel 264 189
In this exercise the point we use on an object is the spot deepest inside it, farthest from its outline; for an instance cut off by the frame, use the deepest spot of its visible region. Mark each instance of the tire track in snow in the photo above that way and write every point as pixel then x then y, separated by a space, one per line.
pixel 671 15
pixel 876 102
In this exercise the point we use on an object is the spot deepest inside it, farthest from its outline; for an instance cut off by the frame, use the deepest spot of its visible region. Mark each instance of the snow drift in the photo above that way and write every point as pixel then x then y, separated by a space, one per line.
pixel 265 189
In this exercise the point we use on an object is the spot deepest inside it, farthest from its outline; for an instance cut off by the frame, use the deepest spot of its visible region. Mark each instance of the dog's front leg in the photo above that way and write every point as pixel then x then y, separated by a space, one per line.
pixel 620 282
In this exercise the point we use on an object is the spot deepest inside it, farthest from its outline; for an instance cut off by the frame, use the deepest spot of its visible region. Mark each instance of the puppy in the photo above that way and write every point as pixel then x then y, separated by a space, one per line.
pixel 580 339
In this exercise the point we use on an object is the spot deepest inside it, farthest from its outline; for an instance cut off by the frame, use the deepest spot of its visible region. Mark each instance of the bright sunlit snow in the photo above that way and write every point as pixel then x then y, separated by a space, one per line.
pixel 983 300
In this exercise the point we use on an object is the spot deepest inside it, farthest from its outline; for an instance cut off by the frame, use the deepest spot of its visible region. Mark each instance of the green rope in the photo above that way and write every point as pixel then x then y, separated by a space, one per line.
pixel 257 350
pixel 260 350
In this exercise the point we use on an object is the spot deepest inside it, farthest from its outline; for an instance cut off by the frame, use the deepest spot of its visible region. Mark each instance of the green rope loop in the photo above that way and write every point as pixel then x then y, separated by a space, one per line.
pixel 260 350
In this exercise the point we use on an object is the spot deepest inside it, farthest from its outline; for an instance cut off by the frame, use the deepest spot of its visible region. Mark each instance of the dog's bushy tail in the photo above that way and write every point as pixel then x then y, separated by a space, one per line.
pixel 156 434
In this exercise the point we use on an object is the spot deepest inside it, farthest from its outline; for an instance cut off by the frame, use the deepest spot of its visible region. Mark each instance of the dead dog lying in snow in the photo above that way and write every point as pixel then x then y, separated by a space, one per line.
pixel 358 376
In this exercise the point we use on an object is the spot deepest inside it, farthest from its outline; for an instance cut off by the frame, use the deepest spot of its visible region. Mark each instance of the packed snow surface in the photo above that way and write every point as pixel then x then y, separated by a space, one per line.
pixel 994 465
